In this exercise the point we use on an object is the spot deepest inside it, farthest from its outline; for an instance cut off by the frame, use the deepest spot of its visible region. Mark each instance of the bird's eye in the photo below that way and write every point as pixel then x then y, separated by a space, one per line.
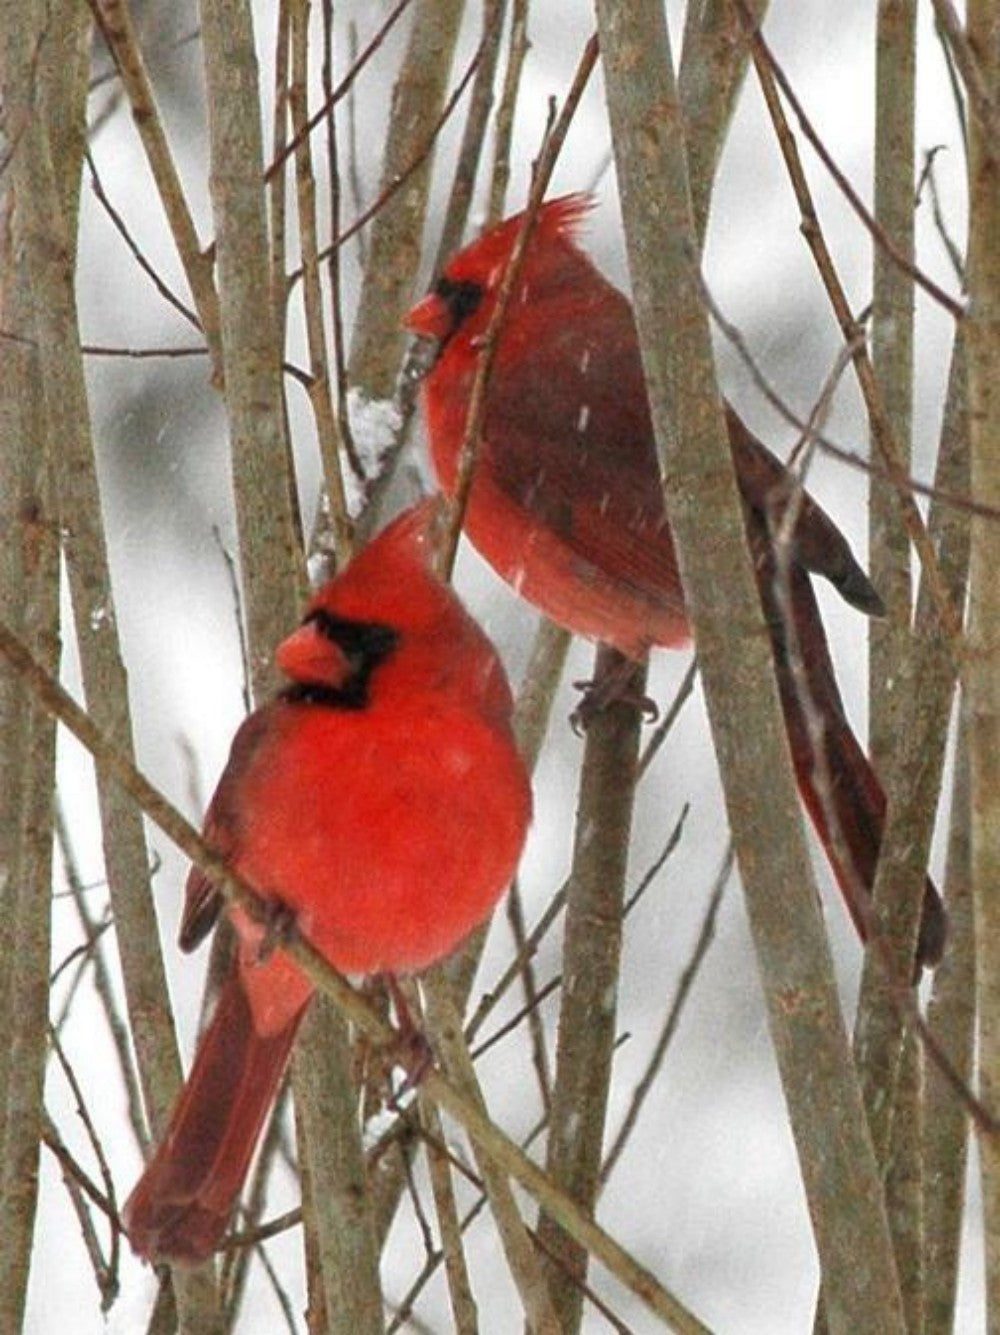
pixel 364 643
pixel 461 297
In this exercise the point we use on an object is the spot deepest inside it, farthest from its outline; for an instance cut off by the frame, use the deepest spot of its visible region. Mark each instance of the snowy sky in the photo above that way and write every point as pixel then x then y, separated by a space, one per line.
pixel 708 1194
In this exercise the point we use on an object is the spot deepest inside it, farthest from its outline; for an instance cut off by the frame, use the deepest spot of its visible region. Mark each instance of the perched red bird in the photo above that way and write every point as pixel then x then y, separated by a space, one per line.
pixel 380 799
pixel 567 506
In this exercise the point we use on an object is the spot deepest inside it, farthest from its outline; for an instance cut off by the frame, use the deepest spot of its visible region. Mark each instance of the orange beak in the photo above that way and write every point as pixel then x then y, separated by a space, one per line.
pixel 429 318
pixel 309 657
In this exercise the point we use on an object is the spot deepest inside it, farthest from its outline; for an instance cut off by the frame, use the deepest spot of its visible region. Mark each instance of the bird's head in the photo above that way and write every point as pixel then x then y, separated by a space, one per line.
pixel 462 296
pixel 389 612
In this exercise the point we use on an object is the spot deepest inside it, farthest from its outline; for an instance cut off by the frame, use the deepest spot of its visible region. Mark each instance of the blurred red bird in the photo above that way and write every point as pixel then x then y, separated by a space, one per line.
pixel 567 506
pixel 381 800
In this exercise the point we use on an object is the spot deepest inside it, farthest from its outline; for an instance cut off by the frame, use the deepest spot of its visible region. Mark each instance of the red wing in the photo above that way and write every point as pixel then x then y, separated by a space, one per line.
pixel 202 899
pixel 579 457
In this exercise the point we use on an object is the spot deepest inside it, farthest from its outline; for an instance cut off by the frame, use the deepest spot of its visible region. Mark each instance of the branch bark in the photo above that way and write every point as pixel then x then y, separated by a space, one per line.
pixel 713 64
pixel 595 906
pixel 835 1152
pixel 983 668
pixel 274 583
pixel 892 359
pixel 951 1017
pixel 43 64
pixel 29 599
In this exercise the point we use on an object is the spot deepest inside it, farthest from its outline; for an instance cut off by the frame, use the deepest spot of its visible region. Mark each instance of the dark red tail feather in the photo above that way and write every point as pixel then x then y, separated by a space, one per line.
pixel 181 1205
pixel 857 799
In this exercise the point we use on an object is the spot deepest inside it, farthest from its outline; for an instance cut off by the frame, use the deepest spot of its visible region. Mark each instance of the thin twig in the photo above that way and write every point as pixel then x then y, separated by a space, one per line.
pixel 398 181
pixel 83 1113
pixel 531 1007
pixel 503 128
pixel 660 861
pixel 872 468
pixel 762 53
pixel 456 211
pixel 114 19
pixel 141 354
pixel 533 998
pixel 135 250
pixel 664 727
pixel 353 157
pixel 685 984
pixel 961 50
pixel 333 97
pixel 239 617
pixel 463 1304
pixel 94 932
pixel 328 435
pixel 79 1187
pixel 334 264
pixel 282 1297
pixel 929 175
pixel 476 416
pixel 769 76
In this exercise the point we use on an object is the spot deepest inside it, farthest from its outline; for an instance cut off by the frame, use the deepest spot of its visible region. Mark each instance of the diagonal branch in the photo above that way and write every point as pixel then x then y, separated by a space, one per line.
pixel 355 1007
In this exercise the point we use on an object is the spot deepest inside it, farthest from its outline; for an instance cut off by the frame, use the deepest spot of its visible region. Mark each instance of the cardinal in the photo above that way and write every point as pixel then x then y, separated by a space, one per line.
pixel 379 800
pixel 567 506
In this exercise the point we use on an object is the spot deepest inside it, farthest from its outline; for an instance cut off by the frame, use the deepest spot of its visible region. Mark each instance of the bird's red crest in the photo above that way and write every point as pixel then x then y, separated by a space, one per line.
pixel 391 576
pixel 558 220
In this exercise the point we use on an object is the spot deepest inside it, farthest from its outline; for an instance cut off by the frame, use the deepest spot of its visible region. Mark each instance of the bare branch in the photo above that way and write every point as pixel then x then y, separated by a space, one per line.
pixel 835 1153
pixel 114 19
pixel 982 670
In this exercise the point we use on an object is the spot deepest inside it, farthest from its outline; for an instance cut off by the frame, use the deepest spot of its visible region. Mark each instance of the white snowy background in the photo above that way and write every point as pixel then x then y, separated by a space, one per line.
pixel 707 1194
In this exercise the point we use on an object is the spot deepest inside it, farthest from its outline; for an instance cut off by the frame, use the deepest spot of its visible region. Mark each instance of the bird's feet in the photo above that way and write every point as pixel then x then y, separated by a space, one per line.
pixel 408 1049
pixel 277 922
pixel 614 687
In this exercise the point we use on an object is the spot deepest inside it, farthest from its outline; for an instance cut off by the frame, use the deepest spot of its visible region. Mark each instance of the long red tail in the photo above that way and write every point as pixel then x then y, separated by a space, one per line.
pixel 181 1205
pixel 855 795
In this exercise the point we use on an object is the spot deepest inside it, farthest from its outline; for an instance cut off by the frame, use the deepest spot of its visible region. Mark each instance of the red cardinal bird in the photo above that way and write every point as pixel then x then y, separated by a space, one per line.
pixel 381 800
pixel 567 506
